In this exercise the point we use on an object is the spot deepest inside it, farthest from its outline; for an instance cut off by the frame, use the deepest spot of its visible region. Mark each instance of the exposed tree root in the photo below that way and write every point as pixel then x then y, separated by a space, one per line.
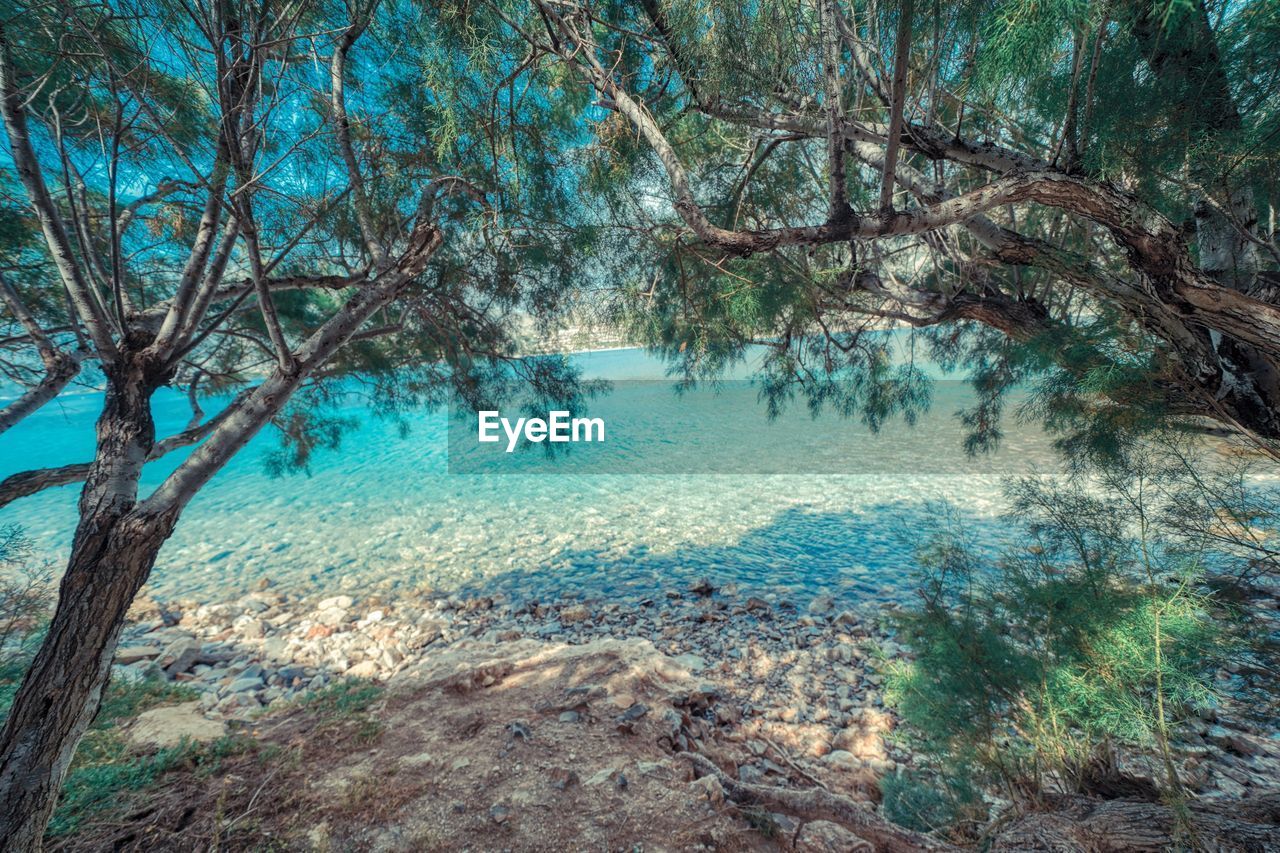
pixel 1067 824
pixel 1075 823
pixel 820 804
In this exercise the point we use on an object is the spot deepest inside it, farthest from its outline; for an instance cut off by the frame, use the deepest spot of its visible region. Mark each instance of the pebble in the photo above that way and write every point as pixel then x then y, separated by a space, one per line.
pixel 364 669
pixel 574 613
pixel 842 760
pixel 562 778
pixel 709 788
pixel 126 655
pixel 180 656
pixel 241 685
pixel 773 669
pixel 635 712
pixel 822 605
pixel 331 616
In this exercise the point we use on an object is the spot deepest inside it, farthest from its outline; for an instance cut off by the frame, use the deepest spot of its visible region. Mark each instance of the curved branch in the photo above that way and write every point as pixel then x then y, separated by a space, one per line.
pixel 61 369
pixel 27 483
pixel 1154 246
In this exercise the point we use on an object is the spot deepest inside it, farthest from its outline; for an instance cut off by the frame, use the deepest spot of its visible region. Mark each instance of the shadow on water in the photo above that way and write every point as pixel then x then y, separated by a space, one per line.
pixel 836 509
pixel 859 558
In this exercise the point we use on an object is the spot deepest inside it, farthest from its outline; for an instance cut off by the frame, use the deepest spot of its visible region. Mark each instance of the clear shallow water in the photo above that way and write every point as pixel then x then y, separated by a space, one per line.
pixel 386 508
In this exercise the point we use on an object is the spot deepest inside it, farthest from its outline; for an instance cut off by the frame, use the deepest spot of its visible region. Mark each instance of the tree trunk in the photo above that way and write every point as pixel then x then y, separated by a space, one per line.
pixel 1075 823
pixel 114 548
pixel 1182 50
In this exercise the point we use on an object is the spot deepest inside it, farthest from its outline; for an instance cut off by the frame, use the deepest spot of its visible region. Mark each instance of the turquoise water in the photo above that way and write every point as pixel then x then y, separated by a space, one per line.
pixel 386 509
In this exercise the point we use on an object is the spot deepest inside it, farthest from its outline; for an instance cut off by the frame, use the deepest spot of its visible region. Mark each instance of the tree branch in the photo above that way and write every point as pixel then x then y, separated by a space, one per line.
pixel 342 130
pixel 87 304
pixel 901 51
pixel 254 411
pixel 821 804
pixel 60 367
pixel 27 483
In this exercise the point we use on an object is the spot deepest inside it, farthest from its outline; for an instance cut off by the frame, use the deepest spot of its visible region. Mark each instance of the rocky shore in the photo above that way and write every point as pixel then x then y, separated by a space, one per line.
pixel 810 675
pixel 795 683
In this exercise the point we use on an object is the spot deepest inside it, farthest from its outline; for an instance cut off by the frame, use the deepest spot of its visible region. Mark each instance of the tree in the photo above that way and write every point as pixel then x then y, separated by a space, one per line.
pixel 261 198
pixel 1068 191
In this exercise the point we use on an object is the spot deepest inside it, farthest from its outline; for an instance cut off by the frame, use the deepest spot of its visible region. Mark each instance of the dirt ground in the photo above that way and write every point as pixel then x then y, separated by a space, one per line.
pixel 520 746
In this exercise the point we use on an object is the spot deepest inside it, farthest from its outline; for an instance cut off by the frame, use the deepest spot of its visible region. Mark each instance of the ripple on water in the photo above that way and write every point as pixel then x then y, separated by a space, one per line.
pixel 385 509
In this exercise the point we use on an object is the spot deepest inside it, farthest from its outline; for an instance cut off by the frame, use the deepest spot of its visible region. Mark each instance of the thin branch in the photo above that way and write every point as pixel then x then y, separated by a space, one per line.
pixel 60 367
pixel 901 52
pixel 254 411
pixel 342 129
pixel 87 306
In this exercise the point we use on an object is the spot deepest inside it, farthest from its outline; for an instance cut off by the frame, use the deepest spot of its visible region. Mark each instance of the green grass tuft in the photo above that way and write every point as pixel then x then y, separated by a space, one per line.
pixel 343 698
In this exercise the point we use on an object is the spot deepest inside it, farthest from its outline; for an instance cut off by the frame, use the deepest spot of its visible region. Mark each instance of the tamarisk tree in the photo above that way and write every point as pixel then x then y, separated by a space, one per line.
pixel 1075 196
pixel 1080 192
pixel 253 200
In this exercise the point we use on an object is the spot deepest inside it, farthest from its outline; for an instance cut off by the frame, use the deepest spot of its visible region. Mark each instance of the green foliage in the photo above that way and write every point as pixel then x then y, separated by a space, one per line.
pixel 1146 84
pixel 1095 631
pixel 928 805
pixel 457 118
pixel 303 431
pixel 125 700
pixel 1097 386
pixel 346 706
pixel 108 769
pixel 1017 35
pixel 25 601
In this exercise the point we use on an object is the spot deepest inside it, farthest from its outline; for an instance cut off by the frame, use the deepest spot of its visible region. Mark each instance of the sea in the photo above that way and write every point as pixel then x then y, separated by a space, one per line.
pixel 791 506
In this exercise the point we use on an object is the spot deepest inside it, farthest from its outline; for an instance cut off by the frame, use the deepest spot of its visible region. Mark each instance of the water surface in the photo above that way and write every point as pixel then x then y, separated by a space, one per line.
pixel 386 509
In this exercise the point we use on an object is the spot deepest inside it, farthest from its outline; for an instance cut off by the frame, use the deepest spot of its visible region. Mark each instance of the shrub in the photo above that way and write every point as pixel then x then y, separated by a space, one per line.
pixel 1093 633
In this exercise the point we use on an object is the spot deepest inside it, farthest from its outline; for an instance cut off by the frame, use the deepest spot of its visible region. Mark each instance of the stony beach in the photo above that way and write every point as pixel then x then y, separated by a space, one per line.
pixel 798 683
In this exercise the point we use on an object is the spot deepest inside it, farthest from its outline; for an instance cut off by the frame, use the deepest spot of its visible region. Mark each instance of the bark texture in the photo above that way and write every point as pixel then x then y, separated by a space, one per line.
pixel 112 553
pixel 1089 825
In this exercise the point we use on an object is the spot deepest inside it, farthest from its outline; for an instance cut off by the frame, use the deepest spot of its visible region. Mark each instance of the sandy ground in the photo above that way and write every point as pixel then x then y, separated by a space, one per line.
pixel 521 746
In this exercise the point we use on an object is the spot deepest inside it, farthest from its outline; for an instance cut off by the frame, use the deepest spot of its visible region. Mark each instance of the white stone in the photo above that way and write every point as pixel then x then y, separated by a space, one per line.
pixel 842 760
pixel 331 616
pixel 170 725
